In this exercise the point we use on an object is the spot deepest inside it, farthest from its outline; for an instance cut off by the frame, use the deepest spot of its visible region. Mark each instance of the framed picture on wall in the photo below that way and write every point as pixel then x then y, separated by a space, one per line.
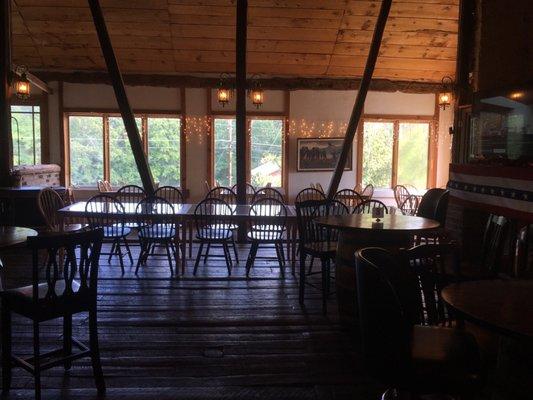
pixel 321 154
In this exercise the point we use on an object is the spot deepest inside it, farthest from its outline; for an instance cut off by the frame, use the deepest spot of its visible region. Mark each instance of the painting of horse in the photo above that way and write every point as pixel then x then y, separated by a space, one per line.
pixel 321 154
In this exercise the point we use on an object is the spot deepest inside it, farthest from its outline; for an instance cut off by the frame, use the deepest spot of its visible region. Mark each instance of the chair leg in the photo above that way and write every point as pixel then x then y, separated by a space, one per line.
pixel 169 257
pixel 207 252
pixel 67 339
pixel 198 257
pixel 6 349
pixel 112 251
pixel 227 255
pixel 251 257
pixel 325 278
pixel 281 261
pixel 120 258
pixel 302 277
pixel 311 265
pixel 95 352
pixel 128 250
pixel 235 248
pixel 36 361
pixel 144 249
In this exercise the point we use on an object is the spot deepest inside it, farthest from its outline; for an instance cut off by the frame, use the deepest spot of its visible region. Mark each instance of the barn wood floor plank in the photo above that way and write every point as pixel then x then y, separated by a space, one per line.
pixel 209 336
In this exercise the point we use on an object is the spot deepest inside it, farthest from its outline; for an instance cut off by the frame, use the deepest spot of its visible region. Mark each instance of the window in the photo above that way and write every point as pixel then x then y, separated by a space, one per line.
pixel 265 164
pixel 395 152
pixel 100 149
pixel 26 134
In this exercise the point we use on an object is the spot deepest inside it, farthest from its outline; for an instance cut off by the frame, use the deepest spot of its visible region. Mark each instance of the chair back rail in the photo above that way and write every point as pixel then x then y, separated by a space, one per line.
pixel 104 211
pixel 223 193
pixel 130 194
pixel 48 203
pixel 309 193
pixel 170 193
pixel 87 244
pixel 493 243
pixel 435 266
pixel 401 193
pixel 367 206
pixel 268 192
pixel 368 191
pixel 155 218
pixel 268 219
pixel 409 205
pixel 211 219
pixel 350 198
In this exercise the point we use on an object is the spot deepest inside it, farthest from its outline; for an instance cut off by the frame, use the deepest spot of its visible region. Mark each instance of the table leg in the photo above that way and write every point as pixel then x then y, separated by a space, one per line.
pixel 190 237
pixel 294 247
pixel 182 245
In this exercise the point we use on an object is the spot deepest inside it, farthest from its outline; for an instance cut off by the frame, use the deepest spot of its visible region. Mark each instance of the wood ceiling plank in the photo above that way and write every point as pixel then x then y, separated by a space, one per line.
pixel 83 14
pixel 313 23
pixel 115 28
pixel 185 9
pixel 401 24
pixel 380 73
pixel 137 4
pixel 424 38
pixel 404 9
pixel 277 46
pixel 91 41
pixel 395 63
pixel 320 4
pixel 294 13
pixel 392 50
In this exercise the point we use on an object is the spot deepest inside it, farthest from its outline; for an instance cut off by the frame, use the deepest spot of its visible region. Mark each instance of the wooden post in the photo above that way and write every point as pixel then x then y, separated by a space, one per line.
pixel 361 96
pixel 242 149
pixel 122 97
pixel 5 92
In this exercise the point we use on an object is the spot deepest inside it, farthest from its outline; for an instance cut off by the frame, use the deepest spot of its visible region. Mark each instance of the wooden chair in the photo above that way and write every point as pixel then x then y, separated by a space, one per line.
pixel 367 206
pixel 396 350
pixel 170 193
pixel 49 202
pixel 264 230
pixel 250 192
pixel 350 198
pixel 104 186
pixel 207 187
pixel 435 266
pixel 433 205
pixel 212 228
pixel 229 196
pixel 319 187
pixel 268 192
pixel 130 194
pixel 409 205
pixel 61 295
pixel 104 212
pixel 401 193
pixel 316 241
pixel 156 225
pixel 368 192
pixel 309 193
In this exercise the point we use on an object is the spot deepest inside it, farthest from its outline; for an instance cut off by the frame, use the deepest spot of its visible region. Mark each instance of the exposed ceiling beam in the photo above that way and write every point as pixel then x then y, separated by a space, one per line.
pixel 274 83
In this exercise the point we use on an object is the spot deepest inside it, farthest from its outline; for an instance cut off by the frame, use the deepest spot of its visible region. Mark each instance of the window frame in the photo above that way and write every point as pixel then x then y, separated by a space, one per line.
pixel 40 101
pixel 396 120
pixel 105 114
pixel 249 117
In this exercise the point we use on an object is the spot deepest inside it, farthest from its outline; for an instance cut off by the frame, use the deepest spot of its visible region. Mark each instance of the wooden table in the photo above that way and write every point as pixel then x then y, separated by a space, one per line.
pixel 502 306
pixel 184 214
pixel 12 235
pixel 361 230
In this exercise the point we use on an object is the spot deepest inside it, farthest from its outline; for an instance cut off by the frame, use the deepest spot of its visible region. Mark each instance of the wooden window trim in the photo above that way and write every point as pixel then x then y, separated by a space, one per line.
pixel 105 114
pixel 396 120
pixel 250 115
pixel 42 102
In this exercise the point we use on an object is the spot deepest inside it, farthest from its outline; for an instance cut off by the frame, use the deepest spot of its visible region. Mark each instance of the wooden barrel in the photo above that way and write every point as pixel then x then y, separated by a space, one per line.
pixel 349 242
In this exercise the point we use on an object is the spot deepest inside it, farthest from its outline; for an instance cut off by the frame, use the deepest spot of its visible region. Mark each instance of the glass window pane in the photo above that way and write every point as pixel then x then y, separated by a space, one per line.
pixel 164 149
pixel 413 154
pixel 123 170
pixel 377 153
pixel 86 150
pixel 26 135
pixel 224 156
pixel 266 152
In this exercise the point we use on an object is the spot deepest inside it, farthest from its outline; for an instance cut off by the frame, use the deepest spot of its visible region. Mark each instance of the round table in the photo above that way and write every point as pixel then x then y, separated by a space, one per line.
pixel 502 306
pixel 12 235
pixel 361 230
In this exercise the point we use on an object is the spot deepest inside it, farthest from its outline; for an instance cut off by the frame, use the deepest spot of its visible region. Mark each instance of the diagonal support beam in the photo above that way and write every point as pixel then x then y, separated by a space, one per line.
pixel 361 97
pixel 122 97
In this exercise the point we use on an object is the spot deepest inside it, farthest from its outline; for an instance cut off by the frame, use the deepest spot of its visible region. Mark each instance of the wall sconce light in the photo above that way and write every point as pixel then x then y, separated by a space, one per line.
pixel 445 96
pixel 256 93
pixel 224 91
pixel 22 84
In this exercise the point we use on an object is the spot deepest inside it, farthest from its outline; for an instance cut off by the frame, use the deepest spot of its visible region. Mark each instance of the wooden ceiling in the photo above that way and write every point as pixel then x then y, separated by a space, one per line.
pixel 304 38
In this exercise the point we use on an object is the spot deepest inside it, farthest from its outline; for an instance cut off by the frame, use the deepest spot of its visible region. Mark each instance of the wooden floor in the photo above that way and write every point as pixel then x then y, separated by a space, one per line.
pixel 205 337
